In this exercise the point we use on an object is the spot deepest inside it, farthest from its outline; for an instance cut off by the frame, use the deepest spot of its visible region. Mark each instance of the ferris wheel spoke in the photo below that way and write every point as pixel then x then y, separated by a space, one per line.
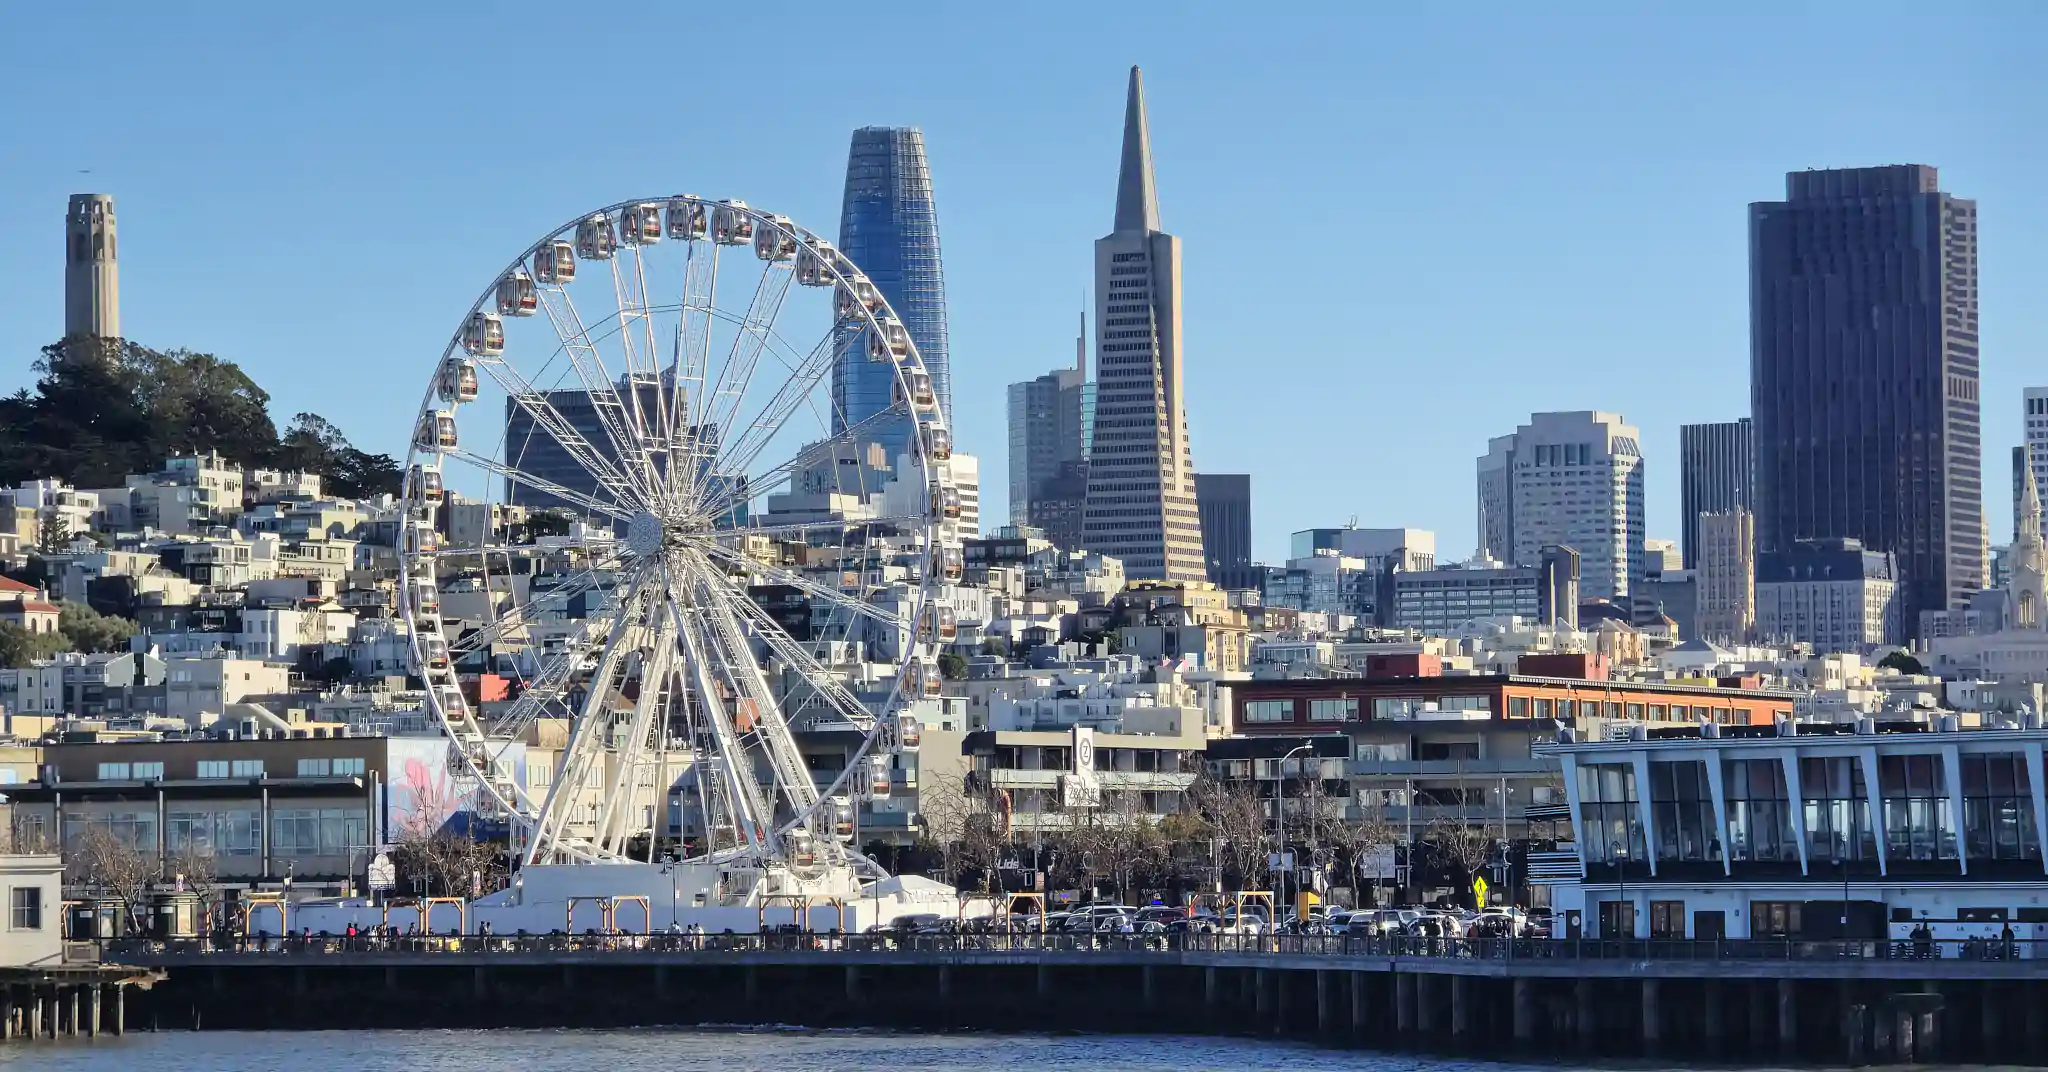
pixel 722 403
pixel 750 812
pixel 587 732
pixel 541 484
pixel 840 525
pixel 535 405
pixel 621 801
pixel 785 761
pixel 743 489
pixel 630 291
pixel 774 574
pixel 736 453
pixel 626 433
pixel 533 611
pixel 826 683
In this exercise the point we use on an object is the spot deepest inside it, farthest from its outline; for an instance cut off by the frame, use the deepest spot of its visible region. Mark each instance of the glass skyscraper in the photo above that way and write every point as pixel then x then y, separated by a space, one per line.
pixel 889 227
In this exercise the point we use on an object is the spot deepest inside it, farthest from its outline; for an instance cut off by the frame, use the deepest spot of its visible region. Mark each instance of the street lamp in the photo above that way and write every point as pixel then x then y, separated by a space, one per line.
pixel 1618 852
pixel 1280 805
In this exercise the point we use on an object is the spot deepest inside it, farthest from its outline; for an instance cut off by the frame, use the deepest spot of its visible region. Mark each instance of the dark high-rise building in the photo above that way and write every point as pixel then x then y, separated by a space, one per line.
pixel 1225 502
pixel 890 228
pixel 1863 374
pixel 1716 467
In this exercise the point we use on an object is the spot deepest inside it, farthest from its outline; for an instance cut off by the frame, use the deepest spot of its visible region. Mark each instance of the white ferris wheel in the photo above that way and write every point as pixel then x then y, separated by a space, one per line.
pixel 584 514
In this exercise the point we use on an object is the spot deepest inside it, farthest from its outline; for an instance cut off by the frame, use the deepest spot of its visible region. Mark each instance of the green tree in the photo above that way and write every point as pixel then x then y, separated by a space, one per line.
pixel 89 630
pixel 952 665
pixel 53 532
pixel 312 444
pixel 1903 663
pixel 19 647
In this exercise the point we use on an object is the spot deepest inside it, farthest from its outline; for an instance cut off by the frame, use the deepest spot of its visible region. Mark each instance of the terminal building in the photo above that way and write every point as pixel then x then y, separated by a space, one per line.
pixel 1799 831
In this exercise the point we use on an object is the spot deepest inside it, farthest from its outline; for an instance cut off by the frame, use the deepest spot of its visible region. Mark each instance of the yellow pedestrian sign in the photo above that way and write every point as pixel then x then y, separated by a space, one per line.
pixel 1479 892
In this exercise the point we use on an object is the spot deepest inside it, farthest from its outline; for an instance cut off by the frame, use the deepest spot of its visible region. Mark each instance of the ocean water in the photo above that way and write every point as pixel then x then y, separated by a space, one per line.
pixel 699 1050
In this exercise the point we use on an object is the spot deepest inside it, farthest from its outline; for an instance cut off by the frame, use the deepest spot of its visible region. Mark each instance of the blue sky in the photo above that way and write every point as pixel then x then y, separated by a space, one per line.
pixel 1403 233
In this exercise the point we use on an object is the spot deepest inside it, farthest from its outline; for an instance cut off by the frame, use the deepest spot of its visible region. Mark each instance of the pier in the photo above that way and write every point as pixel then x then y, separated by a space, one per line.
pixel 1856 1003
pixel 72 1001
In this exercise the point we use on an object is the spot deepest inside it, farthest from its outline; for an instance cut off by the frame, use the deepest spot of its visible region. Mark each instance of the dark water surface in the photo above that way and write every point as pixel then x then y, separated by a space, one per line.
pixel 737 1050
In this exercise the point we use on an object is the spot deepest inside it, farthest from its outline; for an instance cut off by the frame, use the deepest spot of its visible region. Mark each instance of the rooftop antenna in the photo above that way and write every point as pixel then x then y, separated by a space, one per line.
pixel 1081 341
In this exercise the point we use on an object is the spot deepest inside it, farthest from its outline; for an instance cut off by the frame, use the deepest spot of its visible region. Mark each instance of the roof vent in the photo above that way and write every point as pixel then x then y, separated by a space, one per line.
pixel 1710 731
pixel 1866 725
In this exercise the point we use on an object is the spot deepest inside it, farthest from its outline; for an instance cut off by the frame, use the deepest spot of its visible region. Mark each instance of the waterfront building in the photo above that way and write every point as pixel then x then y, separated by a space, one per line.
pixel 1864 374
pixel 1141 504
pixel 1716 463
pixel 889 226
pixel 92 268
pixel 1836 595
pixel 1804 832
pixel 1727 575
pixel 1056 780
pixel 1573 479
pixel 1225 500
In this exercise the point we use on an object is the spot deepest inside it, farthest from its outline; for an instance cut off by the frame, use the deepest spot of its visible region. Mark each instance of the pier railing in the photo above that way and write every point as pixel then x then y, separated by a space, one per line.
pixel 139 950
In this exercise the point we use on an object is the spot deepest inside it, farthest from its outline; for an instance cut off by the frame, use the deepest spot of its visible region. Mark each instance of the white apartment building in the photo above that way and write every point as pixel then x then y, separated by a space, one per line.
pixel 1831 594
pixel 197 688
pixel 1573 479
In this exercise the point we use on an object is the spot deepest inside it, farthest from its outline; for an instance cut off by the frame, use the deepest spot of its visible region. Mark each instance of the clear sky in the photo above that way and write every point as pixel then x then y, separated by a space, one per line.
pixel 1402 233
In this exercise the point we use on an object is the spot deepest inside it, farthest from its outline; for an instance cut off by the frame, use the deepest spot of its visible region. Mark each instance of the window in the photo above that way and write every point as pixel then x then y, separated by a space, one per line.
pixel 1998 808
pixel 248 768
pixel 317 831
pixel 1518 707
pixel 1684 812
pixel 1917 823
pixel 1607 798
pixel 113 772
pixel 145 772
pixel 1759 815
pixel 1837 817
pixel 25 908
pixel 213 768
pixel 345 768
pixel 1332 710
pixel 315 768
pixel 1773 919
pixel 1667 919
pixel 1396 706
pixel 1269 711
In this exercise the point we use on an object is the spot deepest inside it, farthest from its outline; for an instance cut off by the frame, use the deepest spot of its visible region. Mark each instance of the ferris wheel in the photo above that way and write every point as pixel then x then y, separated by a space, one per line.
pixel 628 492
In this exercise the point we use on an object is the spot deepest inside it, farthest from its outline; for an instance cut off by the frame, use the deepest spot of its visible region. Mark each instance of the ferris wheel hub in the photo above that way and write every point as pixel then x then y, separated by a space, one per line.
pixel 646 533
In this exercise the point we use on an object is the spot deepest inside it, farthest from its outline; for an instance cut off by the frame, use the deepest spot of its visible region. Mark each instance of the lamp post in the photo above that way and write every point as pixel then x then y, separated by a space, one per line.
pixel 1618 852
pixel 1280 807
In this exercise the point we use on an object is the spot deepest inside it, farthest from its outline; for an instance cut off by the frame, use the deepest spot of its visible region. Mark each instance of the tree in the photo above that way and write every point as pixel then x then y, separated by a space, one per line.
pixel 99 861
pixel 198 869
pixel 21 648
pixel 1236 818
pixel 1364 840
pixel 444 863
pixel 312 444
pixel 53 532
pixel 548 523
pixel 89 630
pixel 966 826
pixel 1902 662
pixel 952 666
pixel 335 670
pixel 1463 844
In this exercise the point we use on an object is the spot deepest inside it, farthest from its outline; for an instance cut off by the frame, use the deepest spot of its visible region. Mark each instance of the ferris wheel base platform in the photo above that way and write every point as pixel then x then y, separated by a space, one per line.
pixel 702 897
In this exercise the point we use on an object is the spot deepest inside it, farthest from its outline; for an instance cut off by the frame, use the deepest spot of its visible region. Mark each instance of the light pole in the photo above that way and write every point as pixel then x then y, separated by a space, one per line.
pixel 1280 809
pixel 1618 851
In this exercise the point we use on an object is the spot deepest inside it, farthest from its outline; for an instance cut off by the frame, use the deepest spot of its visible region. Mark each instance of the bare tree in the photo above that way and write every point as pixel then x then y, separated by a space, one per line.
pixel 1463 842
pixel 967 825
pixel 101 862
pixel 445 864
pixel 1236 817
pixel 199 870
pixel 1364 838
pixel 26 836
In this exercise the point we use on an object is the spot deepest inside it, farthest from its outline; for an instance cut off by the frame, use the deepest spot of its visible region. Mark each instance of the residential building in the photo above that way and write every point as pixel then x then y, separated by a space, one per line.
pixel 1572 479
pixel 1717 463
pixel 889 226
pixel 92 269
pixel 966 472
pixel 199 689
pixel 1859 831
pixel 1725 553
pixel 1058 780
pixel 1836 595
pixel 1546 687
pixel 1141 505
pixel 1864 374
pixel 1225 502
pixel 34 936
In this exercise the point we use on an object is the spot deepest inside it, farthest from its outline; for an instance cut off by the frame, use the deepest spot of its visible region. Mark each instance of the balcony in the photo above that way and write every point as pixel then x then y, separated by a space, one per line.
pixel 1524 767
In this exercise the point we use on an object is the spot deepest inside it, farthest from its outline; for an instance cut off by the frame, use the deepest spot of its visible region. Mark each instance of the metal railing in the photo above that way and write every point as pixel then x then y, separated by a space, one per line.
pixel 1022 941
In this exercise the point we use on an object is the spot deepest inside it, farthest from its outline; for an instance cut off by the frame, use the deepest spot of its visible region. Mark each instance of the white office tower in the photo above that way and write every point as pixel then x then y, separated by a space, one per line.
pixel 1568 479
pixel 1141 505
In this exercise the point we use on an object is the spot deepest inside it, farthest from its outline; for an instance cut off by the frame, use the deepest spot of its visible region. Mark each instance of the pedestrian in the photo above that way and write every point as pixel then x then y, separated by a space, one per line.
pixel 2009 943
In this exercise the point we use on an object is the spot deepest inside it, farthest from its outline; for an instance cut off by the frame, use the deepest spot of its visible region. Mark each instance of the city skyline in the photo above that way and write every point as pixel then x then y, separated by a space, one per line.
pixel 1665 342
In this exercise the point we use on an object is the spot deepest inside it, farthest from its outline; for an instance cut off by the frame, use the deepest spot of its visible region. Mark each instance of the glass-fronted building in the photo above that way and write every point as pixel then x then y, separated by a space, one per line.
pixel 1807 831
pixel 890 228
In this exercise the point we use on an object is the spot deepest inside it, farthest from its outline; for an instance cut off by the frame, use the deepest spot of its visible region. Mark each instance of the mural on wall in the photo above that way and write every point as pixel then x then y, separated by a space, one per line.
pixel 427 795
